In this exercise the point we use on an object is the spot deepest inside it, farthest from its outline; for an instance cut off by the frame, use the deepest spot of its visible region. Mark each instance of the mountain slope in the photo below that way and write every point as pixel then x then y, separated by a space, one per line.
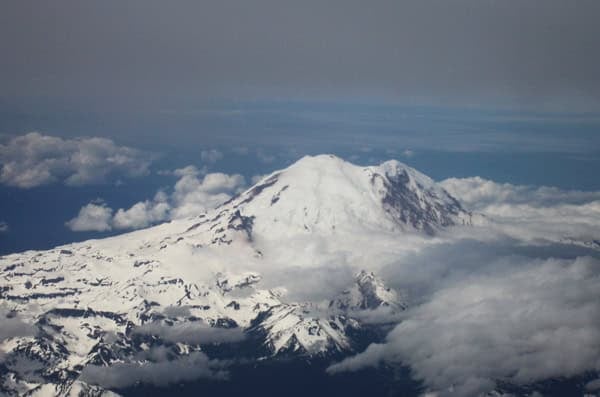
pixel 224 277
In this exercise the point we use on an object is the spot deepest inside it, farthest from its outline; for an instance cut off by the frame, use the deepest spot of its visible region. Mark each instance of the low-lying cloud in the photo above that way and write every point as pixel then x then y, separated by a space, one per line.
pixel 514 299
pixel 35 159
pixel 534 323
pixel 195 365
pixel 528 212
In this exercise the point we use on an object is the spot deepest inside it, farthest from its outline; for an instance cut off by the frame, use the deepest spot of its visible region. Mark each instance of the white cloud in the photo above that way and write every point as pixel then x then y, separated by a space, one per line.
pixel 92 217
pixel 3 227
pixel 193 193
pixel 143 214
pixel 408 153
pixel 34 159
pixel 512 299
pixel 529 212
pixel 478 193
pixel 539 321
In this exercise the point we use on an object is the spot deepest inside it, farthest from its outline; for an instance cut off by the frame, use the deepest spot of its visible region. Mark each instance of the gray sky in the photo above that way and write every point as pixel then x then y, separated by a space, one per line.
pixel 159 54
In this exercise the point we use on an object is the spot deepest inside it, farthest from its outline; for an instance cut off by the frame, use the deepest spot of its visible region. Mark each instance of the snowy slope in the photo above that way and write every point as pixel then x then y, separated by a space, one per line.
pixel 99 301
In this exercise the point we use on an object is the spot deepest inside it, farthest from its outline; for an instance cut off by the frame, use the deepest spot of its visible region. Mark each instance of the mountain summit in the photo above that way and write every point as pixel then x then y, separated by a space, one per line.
pixel 252 272
pixel 325 193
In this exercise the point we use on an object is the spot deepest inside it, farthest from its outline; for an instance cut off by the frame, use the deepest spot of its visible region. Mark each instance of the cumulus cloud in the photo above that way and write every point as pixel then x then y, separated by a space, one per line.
pixel 195 365
pixel 191 332
pixel 194 193
pixel 211 156
pixel 537 322
pixel 35 159
pixel 92 217
pixel 143 213
pixel 3 227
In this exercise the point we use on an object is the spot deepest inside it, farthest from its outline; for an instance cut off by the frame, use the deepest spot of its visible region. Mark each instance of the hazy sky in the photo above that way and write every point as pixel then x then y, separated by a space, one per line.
pixel 158 54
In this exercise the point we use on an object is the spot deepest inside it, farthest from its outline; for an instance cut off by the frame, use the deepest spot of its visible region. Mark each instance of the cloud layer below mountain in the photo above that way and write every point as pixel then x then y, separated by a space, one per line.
pixel 514 299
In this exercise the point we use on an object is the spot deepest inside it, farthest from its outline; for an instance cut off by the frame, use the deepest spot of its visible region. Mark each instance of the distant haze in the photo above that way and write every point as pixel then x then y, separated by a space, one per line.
pixel 148 54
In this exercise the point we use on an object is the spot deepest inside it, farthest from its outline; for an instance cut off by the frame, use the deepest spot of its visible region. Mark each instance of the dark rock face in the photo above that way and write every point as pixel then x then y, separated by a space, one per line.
pixel 426 212
pixel 243 223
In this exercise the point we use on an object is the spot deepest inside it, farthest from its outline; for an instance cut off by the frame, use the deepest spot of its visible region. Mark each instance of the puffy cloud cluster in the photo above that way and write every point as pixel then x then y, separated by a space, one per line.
pixel 195 192
pixel 534 323
pixel 34 159
pixel 155 369
pixel 3 227
pixel 193 195
pixel 92 217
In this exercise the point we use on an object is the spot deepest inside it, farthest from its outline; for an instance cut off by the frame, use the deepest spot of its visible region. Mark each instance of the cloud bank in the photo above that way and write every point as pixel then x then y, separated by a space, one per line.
pixel 528 212
pixel 35 159
pixel 526 325
pixel 514 299
pixel 194 193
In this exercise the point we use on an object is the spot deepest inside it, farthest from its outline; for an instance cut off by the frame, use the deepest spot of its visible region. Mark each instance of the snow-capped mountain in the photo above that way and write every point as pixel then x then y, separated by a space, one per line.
pixel 223 277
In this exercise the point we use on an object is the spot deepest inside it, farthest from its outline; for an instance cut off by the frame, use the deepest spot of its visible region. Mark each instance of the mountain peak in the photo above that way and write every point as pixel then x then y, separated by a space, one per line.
pixel 228 273
pixel 325 193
